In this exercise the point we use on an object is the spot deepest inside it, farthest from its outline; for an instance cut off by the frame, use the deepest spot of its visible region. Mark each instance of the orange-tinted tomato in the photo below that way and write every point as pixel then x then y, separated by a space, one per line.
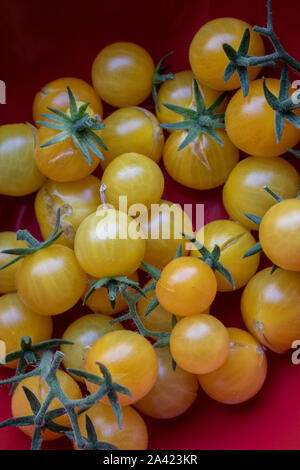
pixel 243 192
pixel 131 360
pixel 50 281
pixel 208 59
pixel 55 95
pixel 234 241
pixel 76 201
pixel 271 308
pixel 159 319
pixel 187 286
pixel 20 405
pixel 173 393
pixel 132 436
pixel 132 129
pixel 203 164
pixel 16 321
pixel 243 373
pixel 199 343
pixel 250 122
pixel 122 74
pixel 8 275
pixel 279 234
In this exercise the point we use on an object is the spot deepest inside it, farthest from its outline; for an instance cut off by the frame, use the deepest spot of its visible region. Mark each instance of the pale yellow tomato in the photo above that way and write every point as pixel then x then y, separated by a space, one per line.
pixel 8 275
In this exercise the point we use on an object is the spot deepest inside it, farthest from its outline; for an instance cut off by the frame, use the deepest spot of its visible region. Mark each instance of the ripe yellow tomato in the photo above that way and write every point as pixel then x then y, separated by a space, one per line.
pixel 19 174
pixel 76 200
pixel 279 234
pixel 163 226
pixel 234 241
pixel 83 333
pixel 250 122
pixel 271 308
pixel 55 95
pixel 16 321
pixel 99 302
pixel 243 373
pixel 203 164
pixel 105 244
pixel 173 393
pixel 20 405
pixel 122 74
pixel 50 281
pixel 208 59
pixel 159 319
pixel 243 192
pixel 132 129
pixel 199 343
pixel 8 275
pixel 187 286
pixel 135 176
pixel 132 436
pixel 131 360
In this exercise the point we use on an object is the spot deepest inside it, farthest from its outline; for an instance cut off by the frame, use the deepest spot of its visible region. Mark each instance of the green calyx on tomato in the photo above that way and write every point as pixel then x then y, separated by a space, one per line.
pixel 159 77
pixel 78 125
pixel 202 120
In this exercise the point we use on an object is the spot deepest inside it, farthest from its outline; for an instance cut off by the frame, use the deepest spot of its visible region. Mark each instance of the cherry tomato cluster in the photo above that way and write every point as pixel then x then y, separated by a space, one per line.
pixel 92 247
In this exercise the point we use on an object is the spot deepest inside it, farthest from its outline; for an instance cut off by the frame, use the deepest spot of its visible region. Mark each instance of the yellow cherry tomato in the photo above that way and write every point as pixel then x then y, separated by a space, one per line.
pixel 174 390
pixel 279 234
pixel 271 308
pixel 132 436
pixel 199 343
pixel 122 74
pixel 131 360
pixel 76 200
pixel 203 164
pixel 159 319
pixel 55 95
pixel 135 176
pixel 8 275
pixel 234 241
pixel 187 286
pixel 20 405
pixel 19 174
pixel 208 59
pixel 243 373
pixel 244 193
pixel 50 281
pixel 132 129
pixel 250 122
pixel 16 321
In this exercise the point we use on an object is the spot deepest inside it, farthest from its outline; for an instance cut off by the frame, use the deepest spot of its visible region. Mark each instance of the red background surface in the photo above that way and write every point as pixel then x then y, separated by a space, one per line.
pixel 39 44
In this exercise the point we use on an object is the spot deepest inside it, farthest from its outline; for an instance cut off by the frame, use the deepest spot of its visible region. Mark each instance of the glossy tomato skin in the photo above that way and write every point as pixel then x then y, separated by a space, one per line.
pixel 132 436
pixel 105 244
pixel 234 241
pixel 135 176
pixel 19 174
pixel 122 74
pixel 125 354
pixel 174 390
pixel 203 164
pixel 199 343
pixel 208 59
pixel 20 405
pixel 244 191
pixel 132 129
pixel 250 122
pixel 163 226
pixel 55 95
pixel 76 200
pixel 83 333
pixel 187 286
pixel 270 308
pixel 16 321
pixel 279 234
pixel 8 275
pixel 243 373
pixel 51 281
pixel 179 91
